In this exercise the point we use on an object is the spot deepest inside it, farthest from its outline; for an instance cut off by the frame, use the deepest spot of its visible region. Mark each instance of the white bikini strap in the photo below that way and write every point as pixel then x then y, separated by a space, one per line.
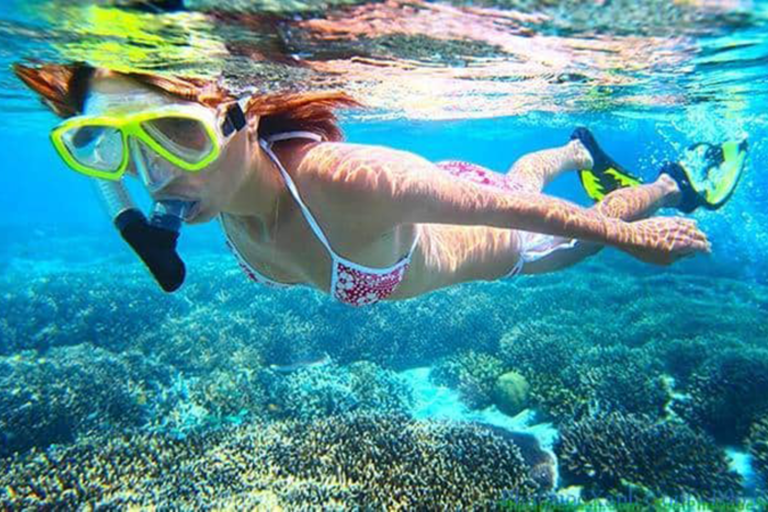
pixel 266 145
pixel 293 135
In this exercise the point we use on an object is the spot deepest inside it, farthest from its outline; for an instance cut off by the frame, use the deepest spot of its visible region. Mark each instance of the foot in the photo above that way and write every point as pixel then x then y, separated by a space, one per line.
pixel 605 175
pixel 672 195
pixel 707 174
pixel 582 159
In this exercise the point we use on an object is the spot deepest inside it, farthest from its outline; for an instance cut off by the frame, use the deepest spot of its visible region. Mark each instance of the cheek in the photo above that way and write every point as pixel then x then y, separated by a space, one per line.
pixel 229 170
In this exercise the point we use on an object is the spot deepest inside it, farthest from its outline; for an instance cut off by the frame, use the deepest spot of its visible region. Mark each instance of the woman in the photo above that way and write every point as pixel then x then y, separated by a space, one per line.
pixel 365 223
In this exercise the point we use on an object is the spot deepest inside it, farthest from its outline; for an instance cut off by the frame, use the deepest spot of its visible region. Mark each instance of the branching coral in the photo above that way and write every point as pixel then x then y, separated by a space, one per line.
pixel 619 379
pixel 758 447
pixel 612 453
pixel 74 390
pixel 728 393
pixel 474 374
pixel 331 389
pixel 569 378
pixel 352 461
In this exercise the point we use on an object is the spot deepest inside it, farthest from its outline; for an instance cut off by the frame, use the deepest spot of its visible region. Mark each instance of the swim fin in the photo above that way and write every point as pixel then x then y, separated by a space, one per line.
pixel 707 174
pixel 606 175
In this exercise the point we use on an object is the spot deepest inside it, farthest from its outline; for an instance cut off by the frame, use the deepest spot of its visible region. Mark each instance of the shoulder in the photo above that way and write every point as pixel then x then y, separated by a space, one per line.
pixel 360 167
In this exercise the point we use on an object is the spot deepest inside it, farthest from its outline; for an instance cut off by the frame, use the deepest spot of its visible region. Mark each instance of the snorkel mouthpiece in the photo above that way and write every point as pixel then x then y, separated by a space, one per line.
pixel 153 240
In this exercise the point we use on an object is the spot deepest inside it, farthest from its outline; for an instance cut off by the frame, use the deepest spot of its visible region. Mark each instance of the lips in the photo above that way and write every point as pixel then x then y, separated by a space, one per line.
pixel 192 211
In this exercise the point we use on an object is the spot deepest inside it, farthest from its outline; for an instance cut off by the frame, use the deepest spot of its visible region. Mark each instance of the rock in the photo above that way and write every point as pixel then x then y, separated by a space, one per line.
pixel 511 393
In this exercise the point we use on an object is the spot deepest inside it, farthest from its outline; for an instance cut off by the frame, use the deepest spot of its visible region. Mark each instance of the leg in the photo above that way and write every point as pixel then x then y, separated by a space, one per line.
pixel 629 204
pixel 534 171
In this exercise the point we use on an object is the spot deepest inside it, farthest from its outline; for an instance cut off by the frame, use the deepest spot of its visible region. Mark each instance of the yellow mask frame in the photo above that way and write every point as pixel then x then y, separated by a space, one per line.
pixel 132 125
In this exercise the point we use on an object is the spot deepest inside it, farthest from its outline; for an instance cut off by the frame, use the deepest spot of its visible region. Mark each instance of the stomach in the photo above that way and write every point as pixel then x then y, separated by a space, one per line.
pixel 448 254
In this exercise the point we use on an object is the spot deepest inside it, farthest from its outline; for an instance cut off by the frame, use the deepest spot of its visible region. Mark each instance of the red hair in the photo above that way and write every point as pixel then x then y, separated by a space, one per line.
pixel 63 88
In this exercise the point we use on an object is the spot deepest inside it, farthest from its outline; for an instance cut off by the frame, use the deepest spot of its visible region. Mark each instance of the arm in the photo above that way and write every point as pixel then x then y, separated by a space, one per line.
pixel 399 187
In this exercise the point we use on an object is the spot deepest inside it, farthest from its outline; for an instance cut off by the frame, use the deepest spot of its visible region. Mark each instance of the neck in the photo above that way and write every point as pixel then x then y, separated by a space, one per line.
pixel 262 188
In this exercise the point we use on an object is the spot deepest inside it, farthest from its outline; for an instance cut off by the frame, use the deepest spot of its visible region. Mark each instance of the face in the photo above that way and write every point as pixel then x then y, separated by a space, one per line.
pixel 211 188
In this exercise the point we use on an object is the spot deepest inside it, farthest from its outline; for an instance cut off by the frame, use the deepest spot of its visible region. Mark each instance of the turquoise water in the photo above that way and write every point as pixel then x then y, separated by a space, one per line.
pixel 610 381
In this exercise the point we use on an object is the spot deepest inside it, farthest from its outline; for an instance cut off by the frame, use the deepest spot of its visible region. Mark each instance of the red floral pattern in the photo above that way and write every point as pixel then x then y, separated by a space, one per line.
pixel 360 288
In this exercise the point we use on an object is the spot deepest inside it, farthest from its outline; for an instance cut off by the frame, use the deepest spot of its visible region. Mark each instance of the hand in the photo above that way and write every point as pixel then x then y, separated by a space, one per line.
pixel 664 240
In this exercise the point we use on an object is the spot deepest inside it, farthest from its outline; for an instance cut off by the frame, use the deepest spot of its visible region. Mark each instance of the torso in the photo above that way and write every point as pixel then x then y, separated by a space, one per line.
pixel 289 252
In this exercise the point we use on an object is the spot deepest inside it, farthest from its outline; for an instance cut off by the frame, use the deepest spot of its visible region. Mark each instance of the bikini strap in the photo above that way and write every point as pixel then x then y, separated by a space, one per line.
pixel 292 135
pixel 266 145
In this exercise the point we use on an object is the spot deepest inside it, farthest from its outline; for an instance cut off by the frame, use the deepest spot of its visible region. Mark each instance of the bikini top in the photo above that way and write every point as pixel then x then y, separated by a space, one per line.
pixel 352 284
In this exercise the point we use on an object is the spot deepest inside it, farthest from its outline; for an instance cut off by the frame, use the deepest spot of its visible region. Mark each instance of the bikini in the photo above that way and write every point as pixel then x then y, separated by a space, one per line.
pixel 351 284
pixel 357 285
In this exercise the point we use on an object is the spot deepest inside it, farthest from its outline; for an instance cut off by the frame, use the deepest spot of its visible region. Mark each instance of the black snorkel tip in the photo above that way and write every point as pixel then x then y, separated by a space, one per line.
pixel 155 246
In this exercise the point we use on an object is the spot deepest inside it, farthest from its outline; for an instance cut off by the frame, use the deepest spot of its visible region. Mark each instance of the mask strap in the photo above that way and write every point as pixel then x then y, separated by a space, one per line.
pixel 234 121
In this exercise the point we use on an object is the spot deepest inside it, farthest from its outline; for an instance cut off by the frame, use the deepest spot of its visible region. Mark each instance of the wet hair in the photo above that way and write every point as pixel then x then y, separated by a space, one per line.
pixel 64 87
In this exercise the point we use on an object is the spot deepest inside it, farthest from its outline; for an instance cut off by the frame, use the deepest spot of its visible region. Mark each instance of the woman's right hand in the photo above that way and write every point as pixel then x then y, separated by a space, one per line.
pixel 664 240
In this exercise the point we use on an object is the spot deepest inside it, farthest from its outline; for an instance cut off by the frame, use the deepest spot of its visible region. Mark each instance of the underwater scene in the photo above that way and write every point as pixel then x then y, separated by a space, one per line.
pixel 612 384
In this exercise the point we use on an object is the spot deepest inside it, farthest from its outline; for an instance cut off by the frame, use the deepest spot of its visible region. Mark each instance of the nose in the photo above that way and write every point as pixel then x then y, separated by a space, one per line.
pixel 154 171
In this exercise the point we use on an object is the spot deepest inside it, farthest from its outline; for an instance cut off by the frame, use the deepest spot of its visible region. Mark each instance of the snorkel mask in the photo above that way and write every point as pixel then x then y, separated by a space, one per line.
pixel 161 142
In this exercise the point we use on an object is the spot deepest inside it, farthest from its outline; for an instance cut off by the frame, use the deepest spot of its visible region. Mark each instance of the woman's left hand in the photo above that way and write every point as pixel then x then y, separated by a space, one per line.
pixel 664 240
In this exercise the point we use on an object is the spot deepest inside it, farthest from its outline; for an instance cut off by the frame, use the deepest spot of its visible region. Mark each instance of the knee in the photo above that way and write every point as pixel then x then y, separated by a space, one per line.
pixel 613 207
pixel 525 163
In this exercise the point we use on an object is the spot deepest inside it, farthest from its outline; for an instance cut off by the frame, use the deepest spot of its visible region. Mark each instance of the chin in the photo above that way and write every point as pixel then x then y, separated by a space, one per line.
pixel 202 216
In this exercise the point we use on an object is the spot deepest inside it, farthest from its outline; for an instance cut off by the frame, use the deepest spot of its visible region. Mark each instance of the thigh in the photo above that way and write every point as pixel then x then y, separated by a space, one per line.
pixel 545 253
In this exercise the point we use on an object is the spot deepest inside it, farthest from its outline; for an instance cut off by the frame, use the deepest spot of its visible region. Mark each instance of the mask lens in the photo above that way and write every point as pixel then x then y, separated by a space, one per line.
pixel 154 170
pixel 183 137
pixel 96 147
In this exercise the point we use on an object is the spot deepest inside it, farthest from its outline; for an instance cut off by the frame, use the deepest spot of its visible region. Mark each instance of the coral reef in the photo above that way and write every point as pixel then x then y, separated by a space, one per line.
pixel 683 357
pixel 186 379
pixel 569 378
pixel 218 314
pixel 472 373
pixel 331 389
pixel 351 461
pixel 728 393
pixel 618 378
pixel 758 448
pixel 611 454
pixel 69 308
pixel 74 390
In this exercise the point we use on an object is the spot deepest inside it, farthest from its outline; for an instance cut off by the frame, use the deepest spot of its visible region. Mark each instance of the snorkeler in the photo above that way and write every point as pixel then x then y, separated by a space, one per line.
pixel 365 223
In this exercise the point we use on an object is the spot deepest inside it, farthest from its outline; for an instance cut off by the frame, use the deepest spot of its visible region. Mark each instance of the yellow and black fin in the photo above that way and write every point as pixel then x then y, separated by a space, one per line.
pixel 707 174
pixel 606 175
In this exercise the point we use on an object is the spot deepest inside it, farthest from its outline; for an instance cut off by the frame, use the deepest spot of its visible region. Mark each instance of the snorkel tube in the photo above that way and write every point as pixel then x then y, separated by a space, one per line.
pixel 153 240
